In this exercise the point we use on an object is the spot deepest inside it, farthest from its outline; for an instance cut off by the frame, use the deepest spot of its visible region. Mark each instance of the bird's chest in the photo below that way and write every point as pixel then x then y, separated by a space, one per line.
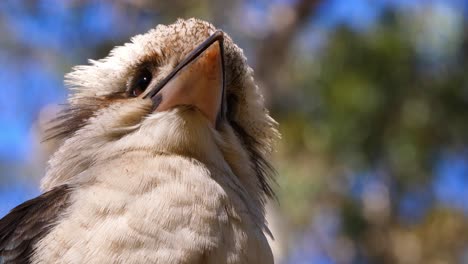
pixel 161 214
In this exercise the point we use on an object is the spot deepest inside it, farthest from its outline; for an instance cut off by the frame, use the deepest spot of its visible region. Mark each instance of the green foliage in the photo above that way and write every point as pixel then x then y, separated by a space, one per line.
pixel 371 102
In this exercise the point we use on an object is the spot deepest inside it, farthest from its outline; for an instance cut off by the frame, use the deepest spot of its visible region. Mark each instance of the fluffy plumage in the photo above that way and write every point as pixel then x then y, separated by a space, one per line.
pixel 158 187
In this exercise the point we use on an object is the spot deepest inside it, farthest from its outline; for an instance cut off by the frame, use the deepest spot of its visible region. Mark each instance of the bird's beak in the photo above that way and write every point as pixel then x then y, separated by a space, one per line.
pixel 197 81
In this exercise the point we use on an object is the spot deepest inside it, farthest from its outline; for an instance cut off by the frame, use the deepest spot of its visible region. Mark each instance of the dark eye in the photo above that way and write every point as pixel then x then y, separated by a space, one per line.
pixel 140 83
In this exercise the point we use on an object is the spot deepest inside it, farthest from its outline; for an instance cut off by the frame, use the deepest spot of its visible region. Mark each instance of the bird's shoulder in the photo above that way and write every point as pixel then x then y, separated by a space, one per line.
pixel 29 222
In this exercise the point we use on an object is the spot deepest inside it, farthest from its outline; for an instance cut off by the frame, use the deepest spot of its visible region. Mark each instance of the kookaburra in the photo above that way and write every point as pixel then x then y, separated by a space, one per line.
pixel 165 159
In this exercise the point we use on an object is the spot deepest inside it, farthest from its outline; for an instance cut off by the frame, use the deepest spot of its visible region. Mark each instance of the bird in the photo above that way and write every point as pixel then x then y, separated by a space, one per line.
pixel 165 158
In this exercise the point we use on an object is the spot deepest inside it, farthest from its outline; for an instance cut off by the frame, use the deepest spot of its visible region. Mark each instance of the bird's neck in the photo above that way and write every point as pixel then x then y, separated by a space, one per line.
pixel 149 198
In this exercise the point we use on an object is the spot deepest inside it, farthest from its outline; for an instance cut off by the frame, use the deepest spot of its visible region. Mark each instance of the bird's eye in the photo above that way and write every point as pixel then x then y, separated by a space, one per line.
pixel 141 82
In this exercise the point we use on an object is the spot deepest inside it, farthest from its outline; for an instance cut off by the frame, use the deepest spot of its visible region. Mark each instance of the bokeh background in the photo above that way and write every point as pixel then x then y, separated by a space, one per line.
pixel 371 97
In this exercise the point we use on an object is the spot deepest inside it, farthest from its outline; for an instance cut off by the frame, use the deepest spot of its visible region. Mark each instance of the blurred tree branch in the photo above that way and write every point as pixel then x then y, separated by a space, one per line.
pixel 273 49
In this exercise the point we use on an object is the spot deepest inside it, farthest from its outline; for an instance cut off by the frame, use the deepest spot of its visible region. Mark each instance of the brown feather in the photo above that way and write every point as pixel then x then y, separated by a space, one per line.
pixel 26 224
pixel 75 116
pixel 262 167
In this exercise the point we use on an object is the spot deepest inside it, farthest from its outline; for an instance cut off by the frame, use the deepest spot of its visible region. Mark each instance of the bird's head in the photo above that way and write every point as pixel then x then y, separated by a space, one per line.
pixel 182 89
